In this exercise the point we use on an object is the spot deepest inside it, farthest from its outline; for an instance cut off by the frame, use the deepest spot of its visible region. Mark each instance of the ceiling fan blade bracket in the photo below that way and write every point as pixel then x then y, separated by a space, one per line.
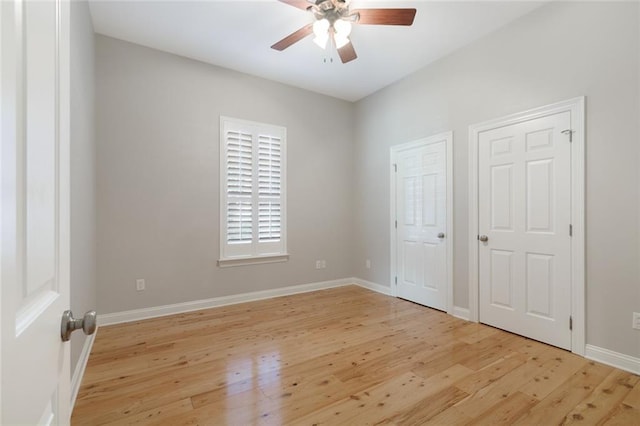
pixel 352 17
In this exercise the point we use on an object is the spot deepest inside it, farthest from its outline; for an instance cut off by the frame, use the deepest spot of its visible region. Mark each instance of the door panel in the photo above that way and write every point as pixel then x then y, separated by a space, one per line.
pixel 430 254
pixel 540 285
pixel 502 279
pixel 420 209
pixel 524 210
pixel 540 208
pixel 502 197
pixel 35 211
pixel 430 194
pixel 410 263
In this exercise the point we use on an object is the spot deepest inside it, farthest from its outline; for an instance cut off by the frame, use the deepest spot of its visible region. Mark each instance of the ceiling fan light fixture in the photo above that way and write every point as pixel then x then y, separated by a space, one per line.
pixel 321 27
pixel 321 31
pixel 341 41
pixel 342 28
pixel 321 40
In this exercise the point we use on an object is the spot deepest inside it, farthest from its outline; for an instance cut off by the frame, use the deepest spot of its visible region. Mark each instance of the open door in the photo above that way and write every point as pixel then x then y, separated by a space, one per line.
pixel 34 168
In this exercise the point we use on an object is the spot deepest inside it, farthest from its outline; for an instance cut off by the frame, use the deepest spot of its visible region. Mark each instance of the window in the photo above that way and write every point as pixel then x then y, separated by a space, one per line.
pixel 253 192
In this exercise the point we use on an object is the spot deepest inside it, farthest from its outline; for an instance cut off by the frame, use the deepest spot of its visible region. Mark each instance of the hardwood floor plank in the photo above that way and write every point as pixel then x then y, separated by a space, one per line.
pixel 501 388
pixel 372 359
pixel 297 397
pixel 552 374
pixel 182 408
pixel 449 417
pixel 633 398
pixel 385 400
pixel 623 415
pixel 604 399
pixel 474 332
pixel 507 410
pixel 554 408
pixel 243 408
pixel 429 407
pixel 490 373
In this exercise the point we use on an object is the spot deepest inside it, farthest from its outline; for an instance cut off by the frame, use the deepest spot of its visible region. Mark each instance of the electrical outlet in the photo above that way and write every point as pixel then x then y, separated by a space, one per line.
pixel 368 264
pixel 140 285
pixel 636 320
pixel 318 264
pixel 324 264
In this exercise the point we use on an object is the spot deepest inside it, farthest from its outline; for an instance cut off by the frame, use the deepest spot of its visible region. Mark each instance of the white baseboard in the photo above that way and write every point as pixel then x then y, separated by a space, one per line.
pixel 372 286
pixel 614 359
pixel 81 365
pixel 178 308
pixel 462 313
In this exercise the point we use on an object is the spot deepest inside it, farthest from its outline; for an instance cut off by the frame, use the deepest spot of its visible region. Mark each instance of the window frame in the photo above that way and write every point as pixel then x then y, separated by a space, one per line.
pixel 256 252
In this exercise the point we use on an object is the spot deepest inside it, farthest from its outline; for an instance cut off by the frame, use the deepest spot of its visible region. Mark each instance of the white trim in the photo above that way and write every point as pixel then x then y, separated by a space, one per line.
pixel 254 260
pixel 393 255
pixel 462 313
pixel 614 359
pixel 81 365
pixel 178 308
pixel 383 289
pixel 2 210
pixel 448 137
pixel 576 107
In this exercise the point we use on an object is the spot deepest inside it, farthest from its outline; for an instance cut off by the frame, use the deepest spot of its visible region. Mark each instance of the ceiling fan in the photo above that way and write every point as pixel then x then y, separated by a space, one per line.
pixel 333 21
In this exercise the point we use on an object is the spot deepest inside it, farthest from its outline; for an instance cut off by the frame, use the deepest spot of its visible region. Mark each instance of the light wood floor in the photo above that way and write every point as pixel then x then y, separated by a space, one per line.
pixel 341 356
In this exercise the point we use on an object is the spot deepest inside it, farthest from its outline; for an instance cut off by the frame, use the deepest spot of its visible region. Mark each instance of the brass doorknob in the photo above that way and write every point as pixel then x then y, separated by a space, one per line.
pixel 483 238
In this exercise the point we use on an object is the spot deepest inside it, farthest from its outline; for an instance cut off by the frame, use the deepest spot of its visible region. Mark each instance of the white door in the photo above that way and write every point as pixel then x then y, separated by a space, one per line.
pixel 422 229
pixel 35 211
pixel 524 212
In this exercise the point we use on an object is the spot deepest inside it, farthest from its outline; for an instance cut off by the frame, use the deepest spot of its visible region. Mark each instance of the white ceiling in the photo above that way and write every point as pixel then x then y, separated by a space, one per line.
pixel 237 34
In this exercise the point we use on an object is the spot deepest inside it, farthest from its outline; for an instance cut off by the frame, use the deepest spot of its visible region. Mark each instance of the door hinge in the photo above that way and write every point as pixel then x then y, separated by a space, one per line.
pixel 396 224
pixel 395 167
pixel 571 230
pixel 396 280
pixel 570 322
pixel 570 133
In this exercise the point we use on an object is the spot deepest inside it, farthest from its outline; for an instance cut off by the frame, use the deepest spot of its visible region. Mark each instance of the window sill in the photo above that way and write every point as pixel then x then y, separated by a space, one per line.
pixel 258 260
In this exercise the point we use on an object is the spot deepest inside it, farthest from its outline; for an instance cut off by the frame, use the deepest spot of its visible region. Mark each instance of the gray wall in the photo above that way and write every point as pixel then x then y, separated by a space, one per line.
pixel 157 178
pixel 560 51
pixel 83 211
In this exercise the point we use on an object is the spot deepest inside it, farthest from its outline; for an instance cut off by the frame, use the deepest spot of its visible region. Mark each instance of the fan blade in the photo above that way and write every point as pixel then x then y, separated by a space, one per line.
pixel 293 37
pixel 300 4
pixel 385 16
pixel 347 53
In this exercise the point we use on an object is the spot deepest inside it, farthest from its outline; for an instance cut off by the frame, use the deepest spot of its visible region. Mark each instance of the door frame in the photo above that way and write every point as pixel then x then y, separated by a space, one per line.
pixel 393 232
pixel 576 107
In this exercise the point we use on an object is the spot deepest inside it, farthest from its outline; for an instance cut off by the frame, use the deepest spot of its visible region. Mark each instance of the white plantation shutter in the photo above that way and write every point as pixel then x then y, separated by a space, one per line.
pixel 239 223
pixel 252 200
pixel 269 221
pixel 239 163
pixel 269 188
